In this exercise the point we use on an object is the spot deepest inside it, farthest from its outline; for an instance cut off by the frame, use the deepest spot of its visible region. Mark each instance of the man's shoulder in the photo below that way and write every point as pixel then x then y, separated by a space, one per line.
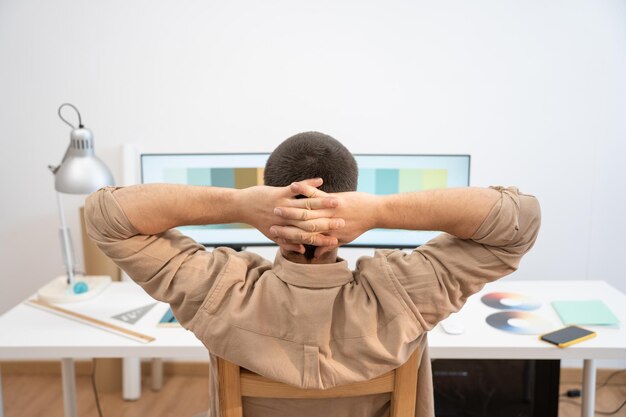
pixel 251 259
pixel 380 257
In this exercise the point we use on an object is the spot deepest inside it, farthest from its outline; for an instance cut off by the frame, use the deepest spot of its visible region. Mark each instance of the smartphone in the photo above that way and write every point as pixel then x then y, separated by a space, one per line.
pixel 567 336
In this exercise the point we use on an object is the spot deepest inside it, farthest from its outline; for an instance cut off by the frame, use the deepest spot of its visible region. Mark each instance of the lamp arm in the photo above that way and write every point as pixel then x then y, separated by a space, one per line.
pixel 80 172
pixel 66 243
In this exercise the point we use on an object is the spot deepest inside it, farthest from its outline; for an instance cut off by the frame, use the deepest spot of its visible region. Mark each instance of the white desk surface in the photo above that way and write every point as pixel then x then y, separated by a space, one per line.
pixel 29 333
pixel 481 341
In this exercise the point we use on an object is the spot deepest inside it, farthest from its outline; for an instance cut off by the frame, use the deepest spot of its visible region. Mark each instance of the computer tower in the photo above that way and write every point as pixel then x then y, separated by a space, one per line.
pixel 496 388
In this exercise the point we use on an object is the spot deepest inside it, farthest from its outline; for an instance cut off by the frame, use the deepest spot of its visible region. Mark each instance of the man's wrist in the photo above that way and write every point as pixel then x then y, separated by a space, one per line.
pixel 237 206
pixel 399 211
pixel 377 215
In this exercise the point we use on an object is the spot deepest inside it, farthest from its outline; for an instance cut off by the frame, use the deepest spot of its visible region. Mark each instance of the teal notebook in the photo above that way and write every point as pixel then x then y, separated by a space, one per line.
pixel 168 320
pixel 590 312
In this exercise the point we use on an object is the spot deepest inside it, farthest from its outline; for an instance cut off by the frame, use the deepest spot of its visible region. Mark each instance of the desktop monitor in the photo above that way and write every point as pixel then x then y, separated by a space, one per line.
pixel 378 174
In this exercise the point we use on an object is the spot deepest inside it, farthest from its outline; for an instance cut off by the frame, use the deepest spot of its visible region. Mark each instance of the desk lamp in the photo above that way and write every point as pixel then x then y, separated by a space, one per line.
pixel 80 172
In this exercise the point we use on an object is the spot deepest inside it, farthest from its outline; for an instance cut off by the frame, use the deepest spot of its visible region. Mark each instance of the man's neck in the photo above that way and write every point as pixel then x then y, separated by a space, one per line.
pixel 327 258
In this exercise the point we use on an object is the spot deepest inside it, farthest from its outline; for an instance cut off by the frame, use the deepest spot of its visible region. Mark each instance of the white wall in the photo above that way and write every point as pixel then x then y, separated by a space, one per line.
pixel 535 91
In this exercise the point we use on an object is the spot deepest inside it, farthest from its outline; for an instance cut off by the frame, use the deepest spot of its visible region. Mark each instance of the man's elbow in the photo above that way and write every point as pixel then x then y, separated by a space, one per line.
pixel 102 222
pixel 530 222
pixel 528 225
pixel 91 217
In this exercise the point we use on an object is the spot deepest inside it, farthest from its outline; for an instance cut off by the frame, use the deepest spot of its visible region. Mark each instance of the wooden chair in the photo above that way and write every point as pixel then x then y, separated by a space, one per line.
pixel 235 382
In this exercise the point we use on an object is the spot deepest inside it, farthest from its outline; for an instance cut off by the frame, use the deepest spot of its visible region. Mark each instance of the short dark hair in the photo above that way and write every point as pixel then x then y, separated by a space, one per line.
pixel 312 155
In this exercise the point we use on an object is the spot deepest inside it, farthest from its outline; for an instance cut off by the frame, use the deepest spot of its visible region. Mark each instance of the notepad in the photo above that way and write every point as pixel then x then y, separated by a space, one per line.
pixel 589 312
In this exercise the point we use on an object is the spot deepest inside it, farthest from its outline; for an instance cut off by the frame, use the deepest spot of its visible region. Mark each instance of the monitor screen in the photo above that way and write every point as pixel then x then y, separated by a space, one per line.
pixel 378 174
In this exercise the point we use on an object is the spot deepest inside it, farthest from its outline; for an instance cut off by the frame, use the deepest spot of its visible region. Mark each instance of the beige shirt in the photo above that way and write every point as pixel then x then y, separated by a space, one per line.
pixel 318 326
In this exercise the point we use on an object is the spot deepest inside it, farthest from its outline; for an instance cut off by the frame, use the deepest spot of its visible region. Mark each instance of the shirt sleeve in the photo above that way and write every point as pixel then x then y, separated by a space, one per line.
pixel 438 277
pixel 169 266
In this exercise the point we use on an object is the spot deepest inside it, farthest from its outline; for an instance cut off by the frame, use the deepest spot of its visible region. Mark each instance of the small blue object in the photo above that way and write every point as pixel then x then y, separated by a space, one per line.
pixel 80 287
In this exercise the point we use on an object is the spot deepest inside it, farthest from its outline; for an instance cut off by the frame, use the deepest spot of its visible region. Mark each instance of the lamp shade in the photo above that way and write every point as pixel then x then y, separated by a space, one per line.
pixel 81 171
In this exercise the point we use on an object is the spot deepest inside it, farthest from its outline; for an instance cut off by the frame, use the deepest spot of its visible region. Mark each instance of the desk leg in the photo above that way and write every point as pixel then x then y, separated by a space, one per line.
pixel 156 374
pixel 68 375
pixel 131 379
pixel 1 402
pixel 589 388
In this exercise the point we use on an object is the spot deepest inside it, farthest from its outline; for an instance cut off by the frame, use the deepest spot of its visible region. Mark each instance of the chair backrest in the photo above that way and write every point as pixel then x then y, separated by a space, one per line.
pixel 236 382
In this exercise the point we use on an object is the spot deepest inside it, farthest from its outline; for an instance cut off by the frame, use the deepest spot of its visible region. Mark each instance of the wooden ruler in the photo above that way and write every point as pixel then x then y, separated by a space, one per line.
pixel 91 321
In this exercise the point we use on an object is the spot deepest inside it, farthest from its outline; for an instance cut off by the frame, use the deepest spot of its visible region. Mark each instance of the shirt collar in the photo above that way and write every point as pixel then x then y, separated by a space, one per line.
pixel 312 275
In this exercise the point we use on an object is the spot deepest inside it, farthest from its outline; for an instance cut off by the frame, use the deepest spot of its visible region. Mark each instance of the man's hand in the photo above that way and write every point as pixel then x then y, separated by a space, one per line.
pixel 458 211
pixel 313 216
pixel 356 211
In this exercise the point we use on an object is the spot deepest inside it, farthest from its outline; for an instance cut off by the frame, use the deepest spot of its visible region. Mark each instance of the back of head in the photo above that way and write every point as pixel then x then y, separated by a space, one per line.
pixel 312 155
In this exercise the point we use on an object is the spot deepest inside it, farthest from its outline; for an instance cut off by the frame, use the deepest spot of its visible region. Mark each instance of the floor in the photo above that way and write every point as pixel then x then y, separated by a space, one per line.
pixel 608 398
pixel 181 396
pixel 36 396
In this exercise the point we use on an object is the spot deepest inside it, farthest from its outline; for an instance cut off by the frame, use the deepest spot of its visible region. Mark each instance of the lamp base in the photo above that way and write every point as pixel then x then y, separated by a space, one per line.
pixel 58 291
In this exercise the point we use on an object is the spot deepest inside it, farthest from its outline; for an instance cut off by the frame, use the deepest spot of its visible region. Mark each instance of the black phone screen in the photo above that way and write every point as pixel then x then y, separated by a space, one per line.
pixel 566 335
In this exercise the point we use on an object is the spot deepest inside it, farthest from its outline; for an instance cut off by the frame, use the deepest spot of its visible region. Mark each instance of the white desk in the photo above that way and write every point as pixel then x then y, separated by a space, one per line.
pixel 29 333
pixel 481 341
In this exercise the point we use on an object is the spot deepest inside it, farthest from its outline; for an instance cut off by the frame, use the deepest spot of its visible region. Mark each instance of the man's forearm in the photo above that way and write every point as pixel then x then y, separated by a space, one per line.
pixel 155 208
pixel 458 211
